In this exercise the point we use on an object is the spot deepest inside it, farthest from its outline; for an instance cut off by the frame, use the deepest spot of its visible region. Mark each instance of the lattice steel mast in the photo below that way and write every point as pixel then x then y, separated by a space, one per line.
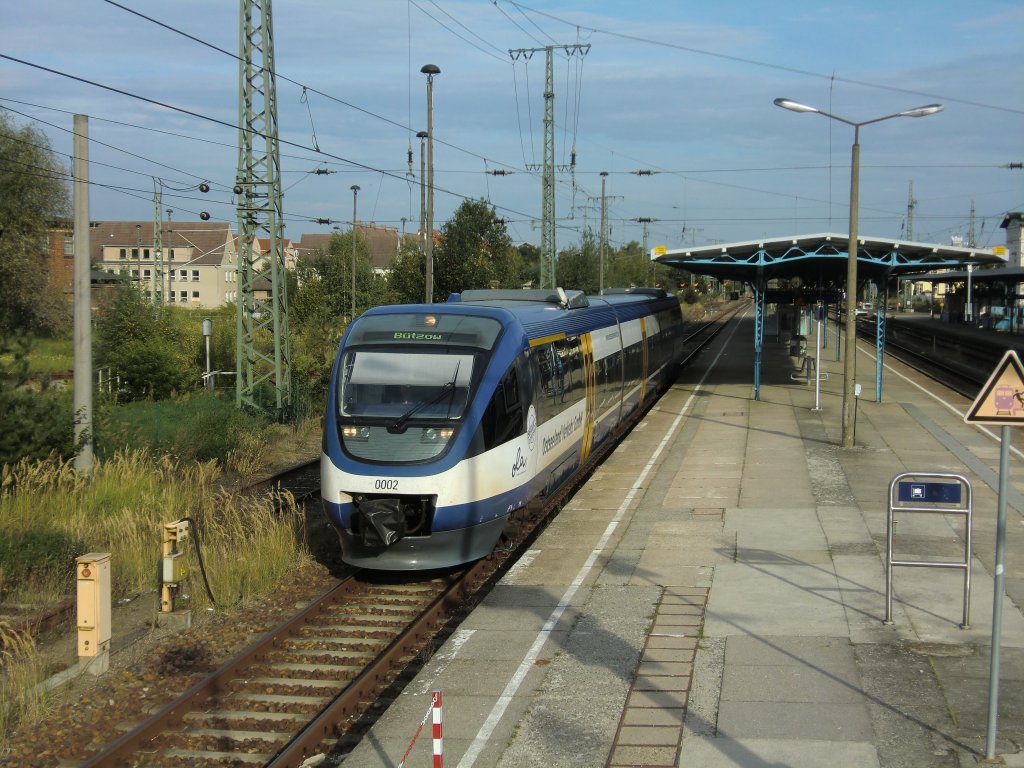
pixel 158 244
pixel 258 190
pixel 547 227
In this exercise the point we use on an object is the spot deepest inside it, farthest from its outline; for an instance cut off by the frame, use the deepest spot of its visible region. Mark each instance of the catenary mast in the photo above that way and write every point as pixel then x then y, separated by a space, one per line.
pixel 264 375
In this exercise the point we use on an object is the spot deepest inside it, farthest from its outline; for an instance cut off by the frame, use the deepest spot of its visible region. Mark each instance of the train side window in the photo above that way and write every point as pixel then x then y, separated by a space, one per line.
pixel 570 363
pixel 544 361
pixel 503 417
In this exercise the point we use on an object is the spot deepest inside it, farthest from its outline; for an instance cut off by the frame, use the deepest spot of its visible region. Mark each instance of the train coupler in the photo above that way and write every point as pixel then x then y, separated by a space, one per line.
pixel 383 522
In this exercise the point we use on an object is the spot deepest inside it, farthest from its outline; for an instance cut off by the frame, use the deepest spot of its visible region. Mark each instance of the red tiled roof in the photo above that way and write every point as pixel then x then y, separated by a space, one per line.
pixel 208 238
pixel 383 242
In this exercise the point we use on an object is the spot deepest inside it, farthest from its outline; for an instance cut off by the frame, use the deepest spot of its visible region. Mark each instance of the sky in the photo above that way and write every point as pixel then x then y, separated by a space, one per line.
pixel 679 89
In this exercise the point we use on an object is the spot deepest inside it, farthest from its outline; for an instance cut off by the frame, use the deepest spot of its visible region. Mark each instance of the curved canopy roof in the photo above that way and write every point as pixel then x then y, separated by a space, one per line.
pixel 821 259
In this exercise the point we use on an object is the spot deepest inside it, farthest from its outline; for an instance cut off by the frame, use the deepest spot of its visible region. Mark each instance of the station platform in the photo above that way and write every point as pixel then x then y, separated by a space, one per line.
pixel 715 595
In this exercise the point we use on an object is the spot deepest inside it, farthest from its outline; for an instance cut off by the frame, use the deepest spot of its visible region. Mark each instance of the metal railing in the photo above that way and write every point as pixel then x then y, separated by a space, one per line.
pixel 934 493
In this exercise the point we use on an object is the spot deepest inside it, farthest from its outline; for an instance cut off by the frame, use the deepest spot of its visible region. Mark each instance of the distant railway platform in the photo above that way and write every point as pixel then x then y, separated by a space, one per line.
pixel 715 595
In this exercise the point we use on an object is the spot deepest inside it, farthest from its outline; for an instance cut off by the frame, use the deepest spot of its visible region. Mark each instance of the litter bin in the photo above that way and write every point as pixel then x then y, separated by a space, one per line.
pixel 798 346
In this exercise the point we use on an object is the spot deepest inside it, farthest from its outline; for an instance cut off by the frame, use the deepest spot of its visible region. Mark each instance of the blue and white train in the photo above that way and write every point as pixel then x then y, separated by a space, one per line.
pixel 444 419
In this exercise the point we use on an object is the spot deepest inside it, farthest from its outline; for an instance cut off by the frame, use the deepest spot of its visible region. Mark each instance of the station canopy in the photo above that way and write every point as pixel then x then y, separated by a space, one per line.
pixel 821 259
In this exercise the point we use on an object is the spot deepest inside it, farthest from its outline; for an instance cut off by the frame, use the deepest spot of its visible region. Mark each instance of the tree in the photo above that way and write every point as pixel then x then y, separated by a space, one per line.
pixel 37 421
pixel 578 266
pixel 406 283
pixel 475 251
pixel 529 273
pixel 627 267
pixel 326 277
pixel 138 343
pixel 33 196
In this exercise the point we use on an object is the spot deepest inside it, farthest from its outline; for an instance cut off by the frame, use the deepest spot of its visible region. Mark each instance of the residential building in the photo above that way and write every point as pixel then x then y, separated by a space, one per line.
pixel 199 263
pixel 383 242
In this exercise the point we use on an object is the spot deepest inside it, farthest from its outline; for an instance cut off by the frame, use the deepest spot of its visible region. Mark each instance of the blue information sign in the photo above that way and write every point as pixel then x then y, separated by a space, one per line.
pixel 929 493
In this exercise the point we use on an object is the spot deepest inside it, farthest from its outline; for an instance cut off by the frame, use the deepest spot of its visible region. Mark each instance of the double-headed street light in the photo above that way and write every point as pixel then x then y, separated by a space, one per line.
pixel 355 192
pixel 430 70
pixel 850 359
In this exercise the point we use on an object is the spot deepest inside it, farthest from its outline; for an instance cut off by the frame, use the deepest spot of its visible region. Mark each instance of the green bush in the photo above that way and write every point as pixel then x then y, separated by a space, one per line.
pixel 39 555
pixel 35 425
pixel 37 420
pixel 199 427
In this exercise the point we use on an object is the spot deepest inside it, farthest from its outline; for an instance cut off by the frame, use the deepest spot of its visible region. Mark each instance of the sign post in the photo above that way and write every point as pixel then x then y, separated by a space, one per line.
pixel 1001 401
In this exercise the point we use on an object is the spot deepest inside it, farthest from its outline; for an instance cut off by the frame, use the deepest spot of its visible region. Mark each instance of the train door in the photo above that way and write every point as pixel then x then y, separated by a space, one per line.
pixel 590 382
pixel 645 359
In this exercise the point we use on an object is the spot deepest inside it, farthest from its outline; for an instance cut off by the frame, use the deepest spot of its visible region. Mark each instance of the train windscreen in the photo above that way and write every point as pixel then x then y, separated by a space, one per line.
pixel 406 381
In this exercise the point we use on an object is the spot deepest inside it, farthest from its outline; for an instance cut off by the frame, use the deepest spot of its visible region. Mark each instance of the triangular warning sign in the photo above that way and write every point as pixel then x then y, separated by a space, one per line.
pixel 1001 400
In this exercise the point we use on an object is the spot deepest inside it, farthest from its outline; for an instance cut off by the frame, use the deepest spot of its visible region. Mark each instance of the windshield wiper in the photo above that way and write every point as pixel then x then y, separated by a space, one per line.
pixel 447 388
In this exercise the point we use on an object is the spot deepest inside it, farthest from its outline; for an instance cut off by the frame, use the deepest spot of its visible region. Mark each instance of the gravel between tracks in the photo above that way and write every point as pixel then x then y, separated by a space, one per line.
pixel 150 668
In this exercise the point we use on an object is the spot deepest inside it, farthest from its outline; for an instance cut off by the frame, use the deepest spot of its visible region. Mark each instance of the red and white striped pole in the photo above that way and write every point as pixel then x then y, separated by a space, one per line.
pixel 438 747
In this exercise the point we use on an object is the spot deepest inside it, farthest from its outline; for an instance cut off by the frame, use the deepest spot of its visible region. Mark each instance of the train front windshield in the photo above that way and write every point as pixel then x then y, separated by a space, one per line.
pixel 405 383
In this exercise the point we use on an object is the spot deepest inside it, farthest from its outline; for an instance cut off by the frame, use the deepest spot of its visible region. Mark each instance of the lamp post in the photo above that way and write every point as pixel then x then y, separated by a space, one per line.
pixel 207 333
pixel 604 235
pixel 355 192
pixel 430 70
pixel 422 136
pixel 970 307
pixel 850 359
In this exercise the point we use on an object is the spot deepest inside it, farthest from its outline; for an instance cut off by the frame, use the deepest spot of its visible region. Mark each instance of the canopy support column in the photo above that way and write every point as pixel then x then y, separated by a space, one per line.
pixel 760 285
pixel 883 294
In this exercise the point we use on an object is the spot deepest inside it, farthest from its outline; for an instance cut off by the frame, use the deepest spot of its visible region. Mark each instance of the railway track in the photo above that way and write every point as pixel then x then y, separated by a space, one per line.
pixel 963 371
pixel 288 696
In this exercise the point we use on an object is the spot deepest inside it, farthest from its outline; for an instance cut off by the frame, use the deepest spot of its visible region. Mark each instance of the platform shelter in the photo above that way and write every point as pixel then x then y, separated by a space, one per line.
pixel 988 298
pixel 810 270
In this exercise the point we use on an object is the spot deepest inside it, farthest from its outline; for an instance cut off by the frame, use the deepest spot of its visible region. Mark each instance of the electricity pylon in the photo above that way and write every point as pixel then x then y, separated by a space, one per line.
pixel 547 227
pixel 258 191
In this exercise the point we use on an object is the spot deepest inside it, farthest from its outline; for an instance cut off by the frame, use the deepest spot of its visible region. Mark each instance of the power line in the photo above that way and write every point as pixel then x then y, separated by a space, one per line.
pixel 501 53
pixel 768 65
pixel 226 124
pixel 296 83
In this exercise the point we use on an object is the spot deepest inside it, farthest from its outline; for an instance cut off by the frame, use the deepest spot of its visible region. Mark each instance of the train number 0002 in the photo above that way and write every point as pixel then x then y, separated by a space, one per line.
pixel 385 485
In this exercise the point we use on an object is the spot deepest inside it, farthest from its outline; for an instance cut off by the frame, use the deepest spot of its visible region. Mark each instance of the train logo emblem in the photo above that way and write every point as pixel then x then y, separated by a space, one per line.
pixel 519 466
pixel 531 428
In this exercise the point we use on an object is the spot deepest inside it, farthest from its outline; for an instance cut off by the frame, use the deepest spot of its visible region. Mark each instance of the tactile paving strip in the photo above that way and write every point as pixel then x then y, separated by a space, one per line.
pixel 651 729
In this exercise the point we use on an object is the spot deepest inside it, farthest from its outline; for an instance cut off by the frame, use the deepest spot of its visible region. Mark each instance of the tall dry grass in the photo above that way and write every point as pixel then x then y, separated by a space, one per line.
pixel 21 672
pixel 121 507
pixel 49 514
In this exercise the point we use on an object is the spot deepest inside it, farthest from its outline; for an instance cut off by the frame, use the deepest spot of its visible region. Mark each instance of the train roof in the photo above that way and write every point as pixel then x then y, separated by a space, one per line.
pixel 543 312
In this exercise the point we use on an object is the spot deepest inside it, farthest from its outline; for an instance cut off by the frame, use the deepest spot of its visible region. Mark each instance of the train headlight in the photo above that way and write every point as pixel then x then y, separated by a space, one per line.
pixel 362 434
pixel 431 435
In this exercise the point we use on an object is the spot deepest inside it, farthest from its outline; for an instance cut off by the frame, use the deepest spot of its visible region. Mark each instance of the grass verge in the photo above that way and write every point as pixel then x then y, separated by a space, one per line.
pixel 49 514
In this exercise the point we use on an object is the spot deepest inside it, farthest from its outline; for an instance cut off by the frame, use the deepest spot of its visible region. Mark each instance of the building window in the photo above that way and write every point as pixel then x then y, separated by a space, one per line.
pixel 69 245
pixel 170 297
pixel 135 253
pixel 124 253
pixel 145 253
pixel 146 273
pixel 195 295
pixel 184 295
pixel 195 274
pixel 183 274
pixel 135 274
